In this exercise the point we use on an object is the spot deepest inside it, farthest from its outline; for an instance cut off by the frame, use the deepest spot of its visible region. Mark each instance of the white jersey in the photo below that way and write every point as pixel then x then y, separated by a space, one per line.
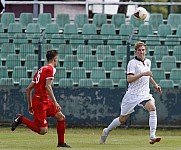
pixel 140 86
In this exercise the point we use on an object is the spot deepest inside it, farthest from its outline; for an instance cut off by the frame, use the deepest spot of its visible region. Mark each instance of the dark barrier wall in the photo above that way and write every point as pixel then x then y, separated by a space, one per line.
pixel 93 106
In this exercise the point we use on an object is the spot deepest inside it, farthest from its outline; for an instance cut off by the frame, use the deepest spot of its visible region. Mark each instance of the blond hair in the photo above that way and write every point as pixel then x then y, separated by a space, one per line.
pixel 138 44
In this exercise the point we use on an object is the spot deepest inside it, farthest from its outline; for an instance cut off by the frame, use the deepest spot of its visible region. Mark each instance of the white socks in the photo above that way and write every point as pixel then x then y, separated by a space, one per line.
pixel 153 123
pixel 115 123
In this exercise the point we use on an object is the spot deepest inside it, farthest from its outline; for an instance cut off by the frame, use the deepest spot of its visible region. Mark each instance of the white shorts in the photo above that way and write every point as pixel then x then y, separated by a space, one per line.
pixel 130 101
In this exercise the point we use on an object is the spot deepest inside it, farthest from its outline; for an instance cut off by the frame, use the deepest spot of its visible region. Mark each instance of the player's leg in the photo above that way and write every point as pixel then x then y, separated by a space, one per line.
pixel 150 106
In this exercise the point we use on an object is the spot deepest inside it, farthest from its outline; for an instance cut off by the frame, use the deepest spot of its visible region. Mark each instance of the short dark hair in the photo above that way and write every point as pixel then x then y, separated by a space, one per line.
pixel 51 54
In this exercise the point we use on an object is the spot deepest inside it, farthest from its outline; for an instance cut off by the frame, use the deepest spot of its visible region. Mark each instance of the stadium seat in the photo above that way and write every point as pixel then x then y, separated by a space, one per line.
pixel 19 38
pixel 14 28
pixel 118 20
pixel 175 75
pixel 31 61
pixel 102 50
pixel 117 74
pixel 25 19
pixel 12 61
pixel 57 40
pixel 168 63
pixel 144 30
pixel 85 83
pixel 152 40
pixel 95 40
pixel 82 51
pixel 44 19
pixel 3 38
pixel 179 84
pixel 60 74
pixel 70 62
pixel 109 62
pixel 166 84
pixel 178 32
pixel 171 41
pixel 33 29
pixel 80 20
pixel 155 20
pixel 99 20
pixel 70 29
pixel 50 29
pixel 25 49
pixel 153 61
pixel 66 82
pixel 158 74
pixel 114 41
pixel 7 18
pixel 3 72
pixel 135 22
pixel 105 83
pixel 89 29
pixel 1 28
pixel 6 82
pixel 77 74
pixel 25 82
pixel 122 83
pixel 18 73
pixel 108 29
pixel 174 20
pixel 44 49
pixel 120 52
pixel 97 73
pixel 159 52
pixel 164 30
pixel 62 19
pixel 76 40
pixel 177 53
pixel 63 50
pixel 7 48
pixel 90 61
pixel 125 31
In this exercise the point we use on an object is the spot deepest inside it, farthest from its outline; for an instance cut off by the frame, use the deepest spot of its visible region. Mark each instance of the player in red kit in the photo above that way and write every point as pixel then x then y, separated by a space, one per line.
pixel 43 104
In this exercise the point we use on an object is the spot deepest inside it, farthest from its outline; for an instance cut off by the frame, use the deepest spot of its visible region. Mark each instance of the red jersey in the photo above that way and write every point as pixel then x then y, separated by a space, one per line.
pixel 46 72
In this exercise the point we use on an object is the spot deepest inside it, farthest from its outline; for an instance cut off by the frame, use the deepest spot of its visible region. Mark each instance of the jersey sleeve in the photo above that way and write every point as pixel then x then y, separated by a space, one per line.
pixel 131 68
pixel 50 73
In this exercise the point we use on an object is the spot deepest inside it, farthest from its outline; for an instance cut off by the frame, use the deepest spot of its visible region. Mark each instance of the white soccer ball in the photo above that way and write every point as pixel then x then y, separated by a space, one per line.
pixel 140 13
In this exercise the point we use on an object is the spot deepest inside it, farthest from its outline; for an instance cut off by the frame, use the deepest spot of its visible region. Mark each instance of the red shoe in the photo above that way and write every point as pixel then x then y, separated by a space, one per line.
pixel 153 140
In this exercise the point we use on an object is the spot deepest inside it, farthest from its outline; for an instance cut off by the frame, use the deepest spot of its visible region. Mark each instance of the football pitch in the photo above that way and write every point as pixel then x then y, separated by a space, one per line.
pixel 88 139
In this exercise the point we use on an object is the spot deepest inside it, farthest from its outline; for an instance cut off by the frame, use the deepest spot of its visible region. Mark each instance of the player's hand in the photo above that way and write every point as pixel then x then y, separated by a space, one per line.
pixel 30 110
pixel 158 88
pixel 57 105
pixel 147 73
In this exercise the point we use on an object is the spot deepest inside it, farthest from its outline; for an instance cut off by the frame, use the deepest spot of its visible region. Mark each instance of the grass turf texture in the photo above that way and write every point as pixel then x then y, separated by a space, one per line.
pixel 88 139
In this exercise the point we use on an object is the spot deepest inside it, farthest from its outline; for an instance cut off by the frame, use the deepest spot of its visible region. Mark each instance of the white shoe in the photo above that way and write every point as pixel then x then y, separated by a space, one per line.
pixel 153 140
pixel 104 136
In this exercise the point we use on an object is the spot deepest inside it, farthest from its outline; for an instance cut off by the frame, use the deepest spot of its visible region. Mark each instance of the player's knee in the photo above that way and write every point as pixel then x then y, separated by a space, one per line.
pixel 60 116
pixel 122 119
pixel 43 131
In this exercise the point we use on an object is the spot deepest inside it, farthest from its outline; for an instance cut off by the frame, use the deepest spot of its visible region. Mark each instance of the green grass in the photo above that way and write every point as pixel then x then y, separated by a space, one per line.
pixel 88 139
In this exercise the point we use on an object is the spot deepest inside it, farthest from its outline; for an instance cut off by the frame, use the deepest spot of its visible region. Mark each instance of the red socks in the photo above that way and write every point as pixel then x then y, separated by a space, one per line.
pixel 31 125
pixel 61 131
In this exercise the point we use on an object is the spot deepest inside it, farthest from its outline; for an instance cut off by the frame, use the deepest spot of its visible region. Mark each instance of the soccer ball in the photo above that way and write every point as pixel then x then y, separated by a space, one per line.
pixel 140 13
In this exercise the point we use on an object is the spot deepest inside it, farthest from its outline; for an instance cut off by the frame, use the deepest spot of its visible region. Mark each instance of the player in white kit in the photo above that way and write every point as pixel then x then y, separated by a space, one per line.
pixel 138 93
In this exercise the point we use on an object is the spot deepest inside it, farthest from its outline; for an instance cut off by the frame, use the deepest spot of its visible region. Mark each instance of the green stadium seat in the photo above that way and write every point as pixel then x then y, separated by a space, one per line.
pixel 25 19
pixel 97 73
pixel 120 52
pixel 155 20
pixel 114 41
pixel 80 20
pixel 7 18
pixel 89 29
pixel 3 38
pixel 63 50
pixel 3 72
pixel 108 29
pixel 62 19
pixel 70 62
pixel 66 83
pixel 109 62
pixel 171 41
pixel 177 53
pixel 152 40
pixel 14 28
pixel 1 28
pixel 179 84
pixel 135 22
pixel 144 30
pixel 118 20
pixel 77 74
pixel 60 74
pixel 44 19
pixel 82 51
pixel 122 83
pixel 178 32
pixel 70 29
pixel 117 74
pixel 44 49
pixel 33 71
pixel 85 83
pixel 125 31
pixel 33 28
pixel 50 29
pixel 31 61
pixel 7 48
pixel 25 49
pixel 105 83
pixel 19 38
pixel 57 40
pixel 99 20
pixel 158 74
pixel 0 61
pixel 95 40
pixel 90 61
pixel 174 20
pixel 76 40
pixel 102 50
pixel 18 73
pixel 6 82
pixel 175 75
pixel 159 52
pixel 153 61
pixel 164 30
pixel 124 62
pixel 25 82
pixel 166 84
pixel 168 63
pixel 12 61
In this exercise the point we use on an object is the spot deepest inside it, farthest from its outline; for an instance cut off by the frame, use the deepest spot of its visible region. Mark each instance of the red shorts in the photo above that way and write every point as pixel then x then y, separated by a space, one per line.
pixel 42 110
